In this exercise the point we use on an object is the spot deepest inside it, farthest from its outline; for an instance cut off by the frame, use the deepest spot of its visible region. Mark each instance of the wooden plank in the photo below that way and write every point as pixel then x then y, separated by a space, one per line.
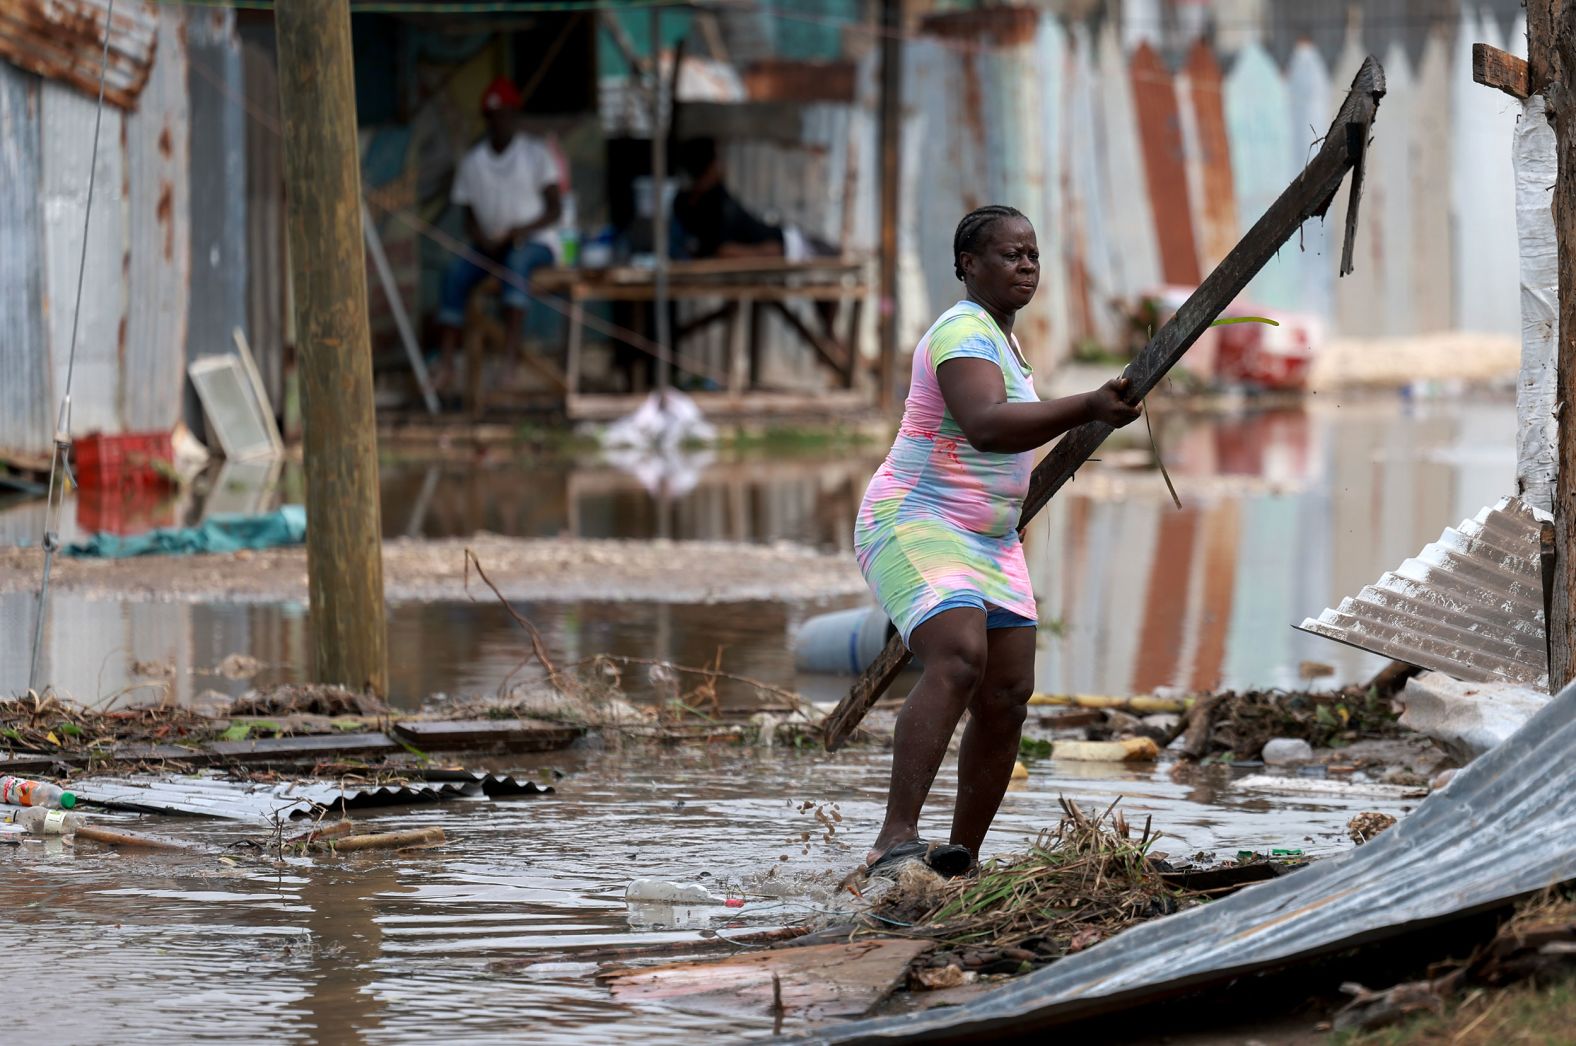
pixel 1494 68
pixel 831 353
pixel 1310 194
pixel 516 735
pixel 815 982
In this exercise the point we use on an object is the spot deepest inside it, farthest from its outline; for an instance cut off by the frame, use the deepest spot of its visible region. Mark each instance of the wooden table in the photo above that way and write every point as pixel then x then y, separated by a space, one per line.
pixel 746 287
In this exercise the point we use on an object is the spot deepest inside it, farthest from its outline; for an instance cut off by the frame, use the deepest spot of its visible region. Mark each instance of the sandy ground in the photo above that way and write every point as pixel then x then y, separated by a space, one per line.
pixel 429 571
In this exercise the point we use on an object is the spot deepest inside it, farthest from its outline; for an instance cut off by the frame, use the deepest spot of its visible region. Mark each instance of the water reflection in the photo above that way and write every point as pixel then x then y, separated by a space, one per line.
pixel 1284 512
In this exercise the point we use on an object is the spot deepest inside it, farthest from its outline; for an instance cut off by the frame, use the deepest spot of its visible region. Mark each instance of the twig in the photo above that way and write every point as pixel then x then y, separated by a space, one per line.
pixel 1154 445
pixel 553 675
pixel 709 672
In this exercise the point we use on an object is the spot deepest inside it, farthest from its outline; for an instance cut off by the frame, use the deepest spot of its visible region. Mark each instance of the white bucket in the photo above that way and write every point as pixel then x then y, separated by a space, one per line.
pixel 843 642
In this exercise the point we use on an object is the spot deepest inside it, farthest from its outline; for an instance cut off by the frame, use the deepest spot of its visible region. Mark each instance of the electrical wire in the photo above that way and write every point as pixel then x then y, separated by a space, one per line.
pixel 59 468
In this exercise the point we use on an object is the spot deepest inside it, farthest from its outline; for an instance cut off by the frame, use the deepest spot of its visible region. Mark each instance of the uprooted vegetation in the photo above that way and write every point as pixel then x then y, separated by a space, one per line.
pixel 1235 726
pixel 1081 882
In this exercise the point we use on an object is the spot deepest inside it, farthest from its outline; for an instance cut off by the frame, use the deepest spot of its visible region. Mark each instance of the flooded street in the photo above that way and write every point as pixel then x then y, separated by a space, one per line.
pixel 374 949
pixel 1283 512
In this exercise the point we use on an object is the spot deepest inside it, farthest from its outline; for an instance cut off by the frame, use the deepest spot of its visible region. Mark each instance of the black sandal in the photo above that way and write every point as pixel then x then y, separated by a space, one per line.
pixel 945 859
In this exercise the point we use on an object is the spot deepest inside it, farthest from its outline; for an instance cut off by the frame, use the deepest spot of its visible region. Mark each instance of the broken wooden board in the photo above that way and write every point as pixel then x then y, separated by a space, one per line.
pixel 514 735
pixel 815 982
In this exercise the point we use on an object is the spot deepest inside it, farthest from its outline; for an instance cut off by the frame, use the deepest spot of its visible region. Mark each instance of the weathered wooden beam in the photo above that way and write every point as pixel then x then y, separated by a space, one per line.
pixel 831 353
pixel 1309 195
pixel 1494 68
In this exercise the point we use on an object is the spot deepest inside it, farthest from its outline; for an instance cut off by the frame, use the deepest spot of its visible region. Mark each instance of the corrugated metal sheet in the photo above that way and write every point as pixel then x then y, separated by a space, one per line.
pixel 209 796
pixel 1391 178
pixel 1469 605
pixel 1216 207
pixel 26 419
pixel 1501 831
pixel 1132 246
pixel 1483 205
pixel 63 40
pixel 218 199
pixel 1316 258
pixel 1160 139
pixel 1432 133
pixel 67 123
pixel 1256 105
pixel 159 249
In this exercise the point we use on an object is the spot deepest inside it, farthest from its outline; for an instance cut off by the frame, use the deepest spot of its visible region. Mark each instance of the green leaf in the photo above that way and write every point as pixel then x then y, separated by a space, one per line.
pixel 1245 319
pixel 347 725
pixel 11 733
pixel 71 729
pixel 236 732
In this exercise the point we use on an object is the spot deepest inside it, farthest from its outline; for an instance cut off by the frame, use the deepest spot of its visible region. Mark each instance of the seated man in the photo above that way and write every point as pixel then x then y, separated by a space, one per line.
pixel 715 225
pixel 508 186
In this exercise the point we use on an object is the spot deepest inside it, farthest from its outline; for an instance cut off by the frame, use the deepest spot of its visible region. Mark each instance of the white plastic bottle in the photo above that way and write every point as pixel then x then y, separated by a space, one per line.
pixel 40 821
pixel 656 891
pixel 19 791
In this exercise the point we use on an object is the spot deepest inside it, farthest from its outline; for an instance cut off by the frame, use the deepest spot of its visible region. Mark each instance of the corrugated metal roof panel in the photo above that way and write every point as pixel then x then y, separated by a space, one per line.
pixel 159 247
pixel 63 40
pixel 211 796
pixel 1501 830
pixel 1161 145
pixel 1469 605
pixel 25 422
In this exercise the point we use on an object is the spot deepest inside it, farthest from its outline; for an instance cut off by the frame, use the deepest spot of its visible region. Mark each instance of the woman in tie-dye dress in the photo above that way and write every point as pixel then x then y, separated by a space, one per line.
pixel 937 538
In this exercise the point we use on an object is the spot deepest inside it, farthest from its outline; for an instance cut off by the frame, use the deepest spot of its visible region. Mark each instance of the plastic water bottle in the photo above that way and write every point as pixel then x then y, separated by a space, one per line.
pixel 19 791
pixel 40 821
pixel 656 891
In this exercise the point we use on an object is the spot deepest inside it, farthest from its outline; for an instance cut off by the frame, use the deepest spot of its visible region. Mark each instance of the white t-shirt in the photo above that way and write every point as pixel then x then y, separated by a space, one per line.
pixel 504 190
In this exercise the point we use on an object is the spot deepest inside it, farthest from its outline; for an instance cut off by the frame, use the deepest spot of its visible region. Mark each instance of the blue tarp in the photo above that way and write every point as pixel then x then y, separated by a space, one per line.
pixel 219 534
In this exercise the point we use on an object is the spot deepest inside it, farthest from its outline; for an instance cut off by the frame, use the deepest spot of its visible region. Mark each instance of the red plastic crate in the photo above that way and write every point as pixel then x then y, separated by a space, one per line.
pixel 138 459
pixel 126 511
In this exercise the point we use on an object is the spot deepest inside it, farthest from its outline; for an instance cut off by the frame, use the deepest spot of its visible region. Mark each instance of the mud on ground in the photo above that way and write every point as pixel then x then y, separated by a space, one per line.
pixel 416 571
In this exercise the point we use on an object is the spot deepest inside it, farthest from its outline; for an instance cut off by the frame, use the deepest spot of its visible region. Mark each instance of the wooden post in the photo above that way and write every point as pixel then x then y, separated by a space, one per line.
pixel 323 191
pixel 659 186
pixel 1551 38
pixel 891 167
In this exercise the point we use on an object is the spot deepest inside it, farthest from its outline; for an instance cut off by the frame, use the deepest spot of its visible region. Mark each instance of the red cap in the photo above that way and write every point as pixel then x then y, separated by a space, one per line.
pixel 501 94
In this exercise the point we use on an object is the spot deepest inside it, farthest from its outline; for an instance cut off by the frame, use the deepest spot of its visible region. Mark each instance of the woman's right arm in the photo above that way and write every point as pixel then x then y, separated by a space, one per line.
pixel 976 397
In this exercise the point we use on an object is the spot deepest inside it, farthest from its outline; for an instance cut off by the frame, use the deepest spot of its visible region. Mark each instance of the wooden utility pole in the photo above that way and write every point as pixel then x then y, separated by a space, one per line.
pixel 1550 70
pixel 323 192
pixel 1551 35
pixel 891 167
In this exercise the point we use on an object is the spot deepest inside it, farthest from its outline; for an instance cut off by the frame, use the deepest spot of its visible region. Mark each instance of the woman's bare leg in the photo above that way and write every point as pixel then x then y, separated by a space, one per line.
pixel 990 741
pixel 952 648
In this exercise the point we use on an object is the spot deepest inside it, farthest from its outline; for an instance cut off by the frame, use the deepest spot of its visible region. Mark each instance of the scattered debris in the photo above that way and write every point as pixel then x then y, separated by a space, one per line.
pixel 1132 750
pixel 1325 787
pixel 1364 827
pixel 307 698
pixel 417 837
pixel 1467 719
pixel 813 982
pixel 1237 726
pixel 1286 751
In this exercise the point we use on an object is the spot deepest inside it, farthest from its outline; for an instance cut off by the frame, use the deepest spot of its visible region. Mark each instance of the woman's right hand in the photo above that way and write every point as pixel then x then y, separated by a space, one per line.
pixel 1109 404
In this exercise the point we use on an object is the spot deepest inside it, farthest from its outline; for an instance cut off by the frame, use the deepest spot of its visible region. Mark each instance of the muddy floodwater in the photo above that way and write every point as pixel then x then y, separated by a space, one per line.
pixel 1284 512
pixel 173 948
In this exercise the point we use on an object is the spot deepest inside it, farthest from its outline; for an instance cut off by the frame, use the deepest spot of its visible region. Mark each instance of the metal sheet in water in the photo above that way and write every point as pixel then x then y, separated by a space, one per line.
pixel 207 796
pixel 25 413
pixel 1469 605
pixel 63 41
pixel 1160 140
pixel 1500 831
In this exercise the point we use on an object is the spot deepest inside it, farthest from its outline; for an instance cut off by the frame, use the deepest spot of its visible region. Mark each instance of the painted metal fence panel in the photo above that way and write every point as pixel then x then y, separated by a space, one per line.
pixel 1160 139
pixel 159 248
pixel 1256 105
pixel 1133 251
pixel 1432 134
pixel 218 180
pixel 67 123
pixel 1317 258
pixel 25 388
pixel 1392 178
pixel 1483 212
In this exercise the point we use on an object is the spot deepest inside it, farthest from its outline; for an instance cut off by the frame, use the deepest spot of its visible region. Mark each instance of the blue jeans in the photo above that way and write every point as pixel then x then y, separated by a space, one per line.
pixel 995 617
pixel 462 276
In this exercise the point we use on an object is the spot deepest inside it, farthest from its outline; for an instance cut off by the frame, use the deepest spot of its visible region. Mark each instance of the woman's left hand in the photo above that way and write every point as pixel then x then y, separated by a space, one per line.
pixel 1109 404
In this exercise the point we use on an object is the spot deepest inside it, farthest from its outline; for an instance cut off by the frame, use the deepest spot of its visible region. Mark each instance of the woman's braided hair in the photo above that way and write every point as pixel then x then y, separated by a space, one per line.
pixel 973 226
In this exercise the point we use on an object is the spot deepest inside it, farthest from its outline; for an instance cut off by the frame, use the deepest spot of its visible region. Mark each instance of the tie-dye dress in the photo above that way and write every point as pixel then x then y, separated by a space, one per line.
pixel 938 524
